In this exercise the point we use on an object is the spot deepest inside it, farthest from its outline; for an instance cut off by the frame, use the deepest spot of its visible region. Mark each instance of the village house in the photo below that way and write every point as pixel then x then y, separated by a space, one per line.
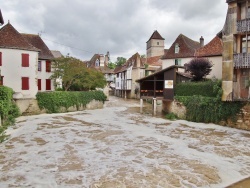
pixel 182 51
pixel 18 63
pixel 45 57
pixel 236 48
pixel 213 52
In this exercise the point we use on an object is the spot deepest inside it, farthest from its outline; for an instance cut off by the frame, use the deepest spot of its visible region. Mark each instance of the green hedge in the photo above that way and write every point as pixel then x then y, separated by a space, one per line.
pixel 53 101
pixel 8 110
pixel 203 102
pixel 206 88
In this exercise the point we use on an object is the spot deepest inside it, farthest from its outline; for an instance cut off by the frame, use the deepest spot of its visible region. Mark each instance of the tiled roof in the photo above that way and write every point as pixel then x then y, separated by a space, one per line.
pixel 56 53
pixel 105 69
pixel 135 61
pixel 213 48
pixel 187 48
pixel 156 35
pixel 1 18
pixel 12 39
pixel 36 41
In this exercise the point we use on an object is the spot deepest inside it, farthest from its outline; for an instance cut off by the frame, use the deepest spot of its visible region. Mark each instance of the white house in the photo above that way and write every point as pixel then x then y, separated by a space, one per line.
pixel 43 69
pixel 18 63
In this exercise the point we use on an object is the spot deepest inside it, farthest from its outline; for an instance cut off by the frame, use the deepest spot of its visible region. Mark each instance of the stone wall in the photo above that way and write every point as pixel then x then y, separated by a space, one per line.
pixel 30 107
pixel 242 121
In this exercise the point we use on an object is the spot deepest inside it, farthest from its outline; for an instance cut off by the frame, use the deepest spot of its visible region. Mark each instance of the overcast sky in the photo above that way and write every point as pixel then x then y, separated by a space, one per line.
pixel 121 27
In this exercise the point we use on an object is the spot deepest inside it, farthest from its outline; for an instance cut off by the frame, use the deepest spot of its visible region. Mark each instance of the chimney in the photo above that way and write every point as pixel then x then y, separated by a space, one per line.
pixel 201 41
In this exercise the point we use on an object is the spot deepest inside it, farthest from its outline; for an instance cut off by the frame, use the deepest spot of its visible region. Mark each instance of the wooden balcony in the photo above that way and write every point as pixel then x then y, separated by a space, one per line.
pixel 241 60
pixel 243 25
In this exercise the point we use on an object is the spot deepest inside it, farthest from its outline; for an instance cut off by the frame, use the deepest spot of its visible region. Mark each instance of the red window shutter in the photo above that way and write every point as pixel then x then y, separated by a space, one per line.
pixel 0 58
pixel 48 84
pixel 39 84
pixel 25 83
pixel 25 60
pixel 48 66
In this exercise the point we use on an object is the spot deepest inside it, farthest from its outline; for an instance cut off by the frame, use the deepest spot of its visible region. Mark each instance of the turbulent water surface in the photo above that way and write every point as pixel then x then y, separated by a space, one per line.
pixel 118 147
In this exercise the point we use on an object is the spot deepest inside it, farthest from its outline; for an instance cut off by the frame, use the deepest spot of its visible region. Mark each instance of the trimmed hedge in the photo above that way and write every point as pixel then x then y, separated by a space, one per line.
pixel 8 110
pixel 53 101
pixel 203 102
pixel 206 88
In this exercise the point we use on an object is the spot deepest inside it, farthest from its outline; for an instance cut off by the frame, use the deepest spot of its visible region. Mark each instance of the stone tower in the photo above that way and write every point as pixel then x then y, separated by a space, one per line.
pixel 155 45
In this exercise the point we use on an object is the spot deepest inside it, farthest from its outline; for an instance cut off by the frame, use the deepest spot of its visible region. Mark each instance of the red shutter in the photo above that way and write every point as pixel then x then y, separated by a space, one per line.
pixel 39 84
pixel 1 81
pixel 25 60
pixel 0 58
pixel 48 66
pixel 48 84
pixel 25 83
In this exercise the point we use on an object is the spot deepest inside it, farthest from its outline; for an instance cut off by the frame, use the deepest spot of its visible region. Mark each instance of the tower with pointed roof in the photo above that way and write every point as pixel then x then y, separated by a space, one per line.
pixel 155 45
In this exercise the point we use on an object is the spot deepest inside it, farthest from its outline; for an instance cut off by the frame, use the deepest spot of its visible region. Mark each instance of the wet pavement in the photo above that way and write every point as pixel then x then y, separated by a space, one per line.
pixel 117 146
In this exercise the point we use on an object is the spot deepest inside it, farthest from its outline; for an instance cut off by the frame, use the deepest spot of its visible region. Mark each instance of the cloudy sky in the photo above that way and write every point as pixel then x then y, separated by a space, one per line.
pixel 122 27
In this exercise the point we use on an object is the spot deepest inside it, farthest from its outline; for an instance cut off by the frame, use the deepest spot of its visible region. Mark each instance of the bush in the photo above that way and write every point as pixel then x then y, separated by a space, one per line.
pixel 8 110
pixel 53 101
pixel 171 116
pixel 206 88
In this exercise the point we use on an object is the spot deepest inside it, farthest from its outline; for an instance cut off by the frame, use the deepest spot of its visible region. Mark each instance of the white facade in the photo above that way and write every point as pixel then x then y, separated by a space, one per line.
pixel 12 72
pixel 169 62
pixel 43 75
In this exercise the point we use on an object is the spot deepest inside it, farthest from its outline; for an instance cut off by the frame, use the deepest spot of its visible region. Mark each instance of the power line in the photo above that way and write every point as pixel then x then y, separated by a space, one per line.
pixel 69 46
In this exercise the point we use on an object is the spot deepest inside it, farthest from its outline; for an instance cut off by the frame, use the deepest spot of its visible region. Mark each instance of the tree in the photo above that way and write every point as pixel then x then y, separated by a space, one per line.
pixel 111 65
pixel 75 75
pixel 199 67
pixel 120 61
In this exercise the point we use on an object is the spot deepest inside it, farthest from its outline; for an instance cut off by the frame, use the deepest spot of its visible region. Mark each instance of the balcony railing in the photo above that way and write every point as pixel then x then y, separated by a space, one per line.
pixel 242 60
pixel 243 25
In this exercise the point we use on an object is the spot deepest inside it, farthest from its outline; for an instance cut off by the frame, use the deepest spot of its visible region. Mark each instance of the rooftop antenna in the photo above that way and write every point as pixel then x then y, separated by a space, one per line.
pixel 41 32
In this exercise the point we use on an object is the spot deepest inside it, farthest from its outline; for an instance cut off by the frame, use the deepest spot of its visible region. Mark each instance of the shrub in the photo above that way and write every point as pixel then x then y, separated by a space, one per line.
pixel 8 110
pixel 53 101
pixel 171 116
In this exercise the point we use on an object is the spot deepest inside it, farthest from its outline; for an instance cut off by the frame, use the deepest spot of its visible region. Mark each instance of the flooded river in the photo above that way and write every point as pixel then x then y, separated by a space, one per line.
pixel 118 146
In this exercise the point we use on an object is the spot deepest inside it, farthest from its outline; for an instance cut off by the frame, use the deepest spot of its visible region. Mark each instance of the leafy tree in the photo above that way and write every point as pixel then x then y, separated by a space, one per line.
pixel 143 56
pixel 199 67
pixel 120 61
pixel 111 65
pixel 75 75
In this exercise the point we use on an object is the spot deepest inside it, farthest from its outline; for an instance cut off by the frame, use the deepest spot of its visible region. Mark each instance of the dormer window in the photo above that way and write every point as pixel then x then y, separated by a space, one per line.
pixel 177 48
pixel 97 63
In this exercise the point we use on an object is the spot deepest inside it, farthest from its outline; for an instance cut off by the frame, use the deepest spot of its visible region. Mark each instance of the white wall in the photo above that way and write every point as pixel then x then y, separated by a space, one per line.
pixel 169 62
pixel 217 67
pixel 43 75
pixel 13 71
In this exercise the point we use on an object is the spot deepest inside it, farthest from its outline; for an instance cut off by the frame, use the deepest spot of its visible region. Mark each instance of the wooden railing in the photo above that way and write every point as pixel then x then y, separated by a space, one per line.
pixel 242 60
pixel 243 25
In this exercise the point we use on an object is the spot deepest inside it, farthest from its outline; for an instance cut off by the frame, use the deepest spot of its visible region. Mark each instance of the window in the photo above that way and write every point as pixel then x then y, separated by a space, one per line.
pixel 48 84
pixel 97 63
pixel 25 60
pixel 1 81
pixel 39 66
pixel 39 84
pixel 177 48
pixel 177 62
pixel 158 43
pixel 25 83
pixel 48 66
pixel 0 58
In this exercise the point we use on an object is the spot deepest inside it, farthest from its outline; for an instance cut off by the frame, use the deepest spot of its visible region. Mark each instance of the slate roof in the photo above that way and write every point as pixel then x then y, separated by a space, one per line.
pixel 187 48
pixel 156 35
pixel 213 48
pixel 10 38
pixel 1 18
pixel 56 53
pixel 36 41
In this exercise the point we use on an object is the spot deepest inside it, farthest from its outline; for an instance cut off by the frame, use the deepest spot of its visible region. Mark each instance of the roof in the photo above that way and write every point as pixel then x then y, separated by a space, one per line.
pixel 56 53
pixel 1 18
pixel 135 61
pixel 12 39
pixel 160 72
pixel 152 61
pixel 36 41
pixel 105 69
pixel 213 48
pixel 187 48
pixel 156 35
